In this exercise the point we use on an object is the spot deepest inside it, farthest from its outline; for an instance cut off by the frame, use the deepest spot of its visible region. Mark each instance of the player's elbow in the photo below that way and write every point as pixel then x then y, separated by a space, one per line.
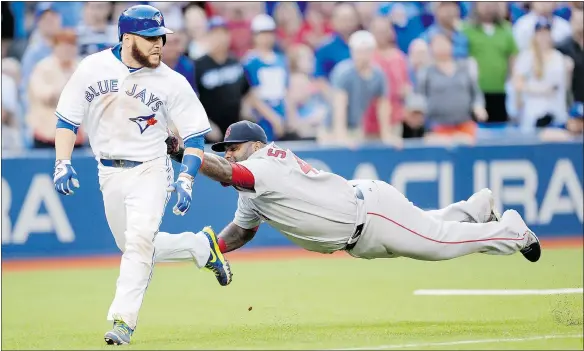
pixel 249 234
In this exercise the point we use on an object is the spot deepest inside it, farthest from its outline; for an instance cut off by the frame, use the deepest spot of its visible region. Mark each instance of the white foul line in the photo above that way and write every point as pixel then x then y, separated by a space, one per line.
pixel 462 292
pixel 463 342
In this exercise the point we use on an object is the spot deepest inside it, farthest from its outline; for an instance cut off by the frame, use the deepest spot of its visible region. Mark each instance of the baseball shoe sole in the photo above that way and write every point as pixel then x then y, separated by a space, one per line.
pixel 217 263
pixel 532 251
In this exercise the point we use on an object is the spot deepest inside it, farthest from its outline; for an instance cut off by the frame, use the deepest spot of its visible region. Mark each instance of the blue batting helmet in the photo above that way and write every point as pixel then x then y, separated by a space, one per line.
pixel 143 20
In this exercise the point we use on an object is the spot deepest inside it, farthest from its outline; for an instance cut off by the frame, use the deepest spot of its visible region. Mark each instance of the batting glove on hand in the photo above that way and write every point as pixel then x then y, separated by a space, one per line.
pixel 184 188
pixel 65 177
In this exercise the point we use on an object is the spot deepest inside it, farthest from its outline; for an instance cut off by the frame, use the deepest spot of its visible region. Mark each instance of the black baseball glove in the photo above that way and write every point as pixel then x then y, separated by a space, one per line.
pixel 173 148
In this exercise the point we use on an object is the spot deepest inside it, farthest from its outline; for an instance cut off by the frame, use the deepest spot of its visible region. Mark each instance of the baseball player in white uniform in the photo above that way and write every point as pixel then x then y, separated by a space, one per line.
pixel 126 97
pixel 323 212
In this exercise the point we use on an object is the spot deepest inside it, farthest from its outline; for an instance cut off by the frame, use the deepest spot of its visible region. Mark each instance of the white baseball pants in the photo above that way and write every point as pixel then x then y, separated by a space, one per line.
pixel 134 200
pixel 394 227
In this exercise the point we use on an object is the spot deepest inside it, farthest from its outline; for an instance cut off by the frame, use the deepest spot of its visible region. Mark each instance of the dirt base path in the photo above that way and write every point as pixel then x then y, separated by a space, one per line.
pixel 264 254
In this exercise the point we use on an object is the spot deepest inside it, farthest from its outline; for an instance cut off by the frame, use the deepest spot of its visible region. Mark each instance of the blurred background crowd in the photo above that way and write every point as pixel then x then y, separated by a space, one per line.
pixel 336 72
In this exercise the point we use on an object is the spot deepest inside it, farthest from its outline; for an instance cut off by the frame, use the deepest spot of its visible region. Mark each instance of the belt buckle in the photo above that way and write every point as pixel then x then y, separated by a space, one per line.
pixel 121 163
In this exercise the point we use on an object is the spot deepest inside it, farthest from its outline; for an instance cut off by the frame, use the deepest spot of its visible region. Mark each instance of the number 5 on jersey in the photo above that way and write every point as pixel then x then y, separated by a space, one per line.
pixel 304 166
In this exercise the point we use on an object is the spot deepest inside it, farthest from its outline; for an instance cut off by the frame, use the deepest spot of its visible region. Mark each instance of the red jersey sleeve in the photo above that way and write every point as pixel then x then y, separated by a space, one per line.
pixel 241 177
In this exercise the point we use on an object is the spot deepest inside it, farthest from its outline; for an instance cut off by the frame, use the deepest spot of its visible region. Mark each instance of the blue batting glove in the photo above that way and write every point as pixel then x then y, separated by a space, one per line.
pixel 65 177
pixel 184 188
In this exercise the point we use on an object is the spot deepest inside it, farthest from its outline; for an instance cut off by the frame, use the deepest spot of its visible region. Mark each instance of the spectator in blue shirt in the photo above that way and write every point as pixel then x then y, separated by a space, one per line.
pixel 267 73
pixel 406 18
pixel 447 15
pixel 48 23
pixel 345 21
pixel 173 55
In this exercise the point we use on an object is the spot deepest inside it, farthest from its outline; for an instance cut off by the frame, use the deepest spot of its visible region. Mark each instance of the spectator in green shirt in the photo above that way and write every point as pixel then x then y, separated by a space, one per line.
pixel 492 45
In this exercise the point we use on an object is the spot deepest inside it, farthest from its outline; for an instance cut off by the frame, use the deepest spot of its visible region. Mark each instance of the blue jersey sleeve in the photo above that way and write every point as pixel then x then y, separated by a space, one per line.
pixel 251 72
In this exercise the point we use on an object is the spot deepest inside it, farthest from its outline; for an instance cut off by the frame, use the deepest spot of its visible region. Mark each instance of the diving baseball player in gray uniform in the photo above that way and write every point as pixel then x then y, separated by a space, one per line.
pixel 323 212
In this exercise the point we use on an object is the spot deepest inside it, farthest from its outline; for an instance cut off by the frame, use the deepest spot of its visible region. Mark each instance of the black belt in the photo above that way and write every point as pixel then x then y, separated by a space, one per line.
pixel 359 229
pixel 119 163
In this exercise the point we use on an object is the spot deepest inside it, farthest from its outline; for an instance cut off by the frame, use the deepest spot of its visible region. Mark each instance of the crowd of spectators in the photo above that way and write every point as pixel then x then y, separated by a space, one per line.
pixel 336 72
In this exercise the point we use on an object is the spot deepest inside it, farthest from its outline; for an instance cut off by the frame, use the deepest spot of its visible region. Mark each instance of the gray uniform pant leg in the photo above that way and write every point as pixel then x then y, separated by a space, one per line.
pixel 395 227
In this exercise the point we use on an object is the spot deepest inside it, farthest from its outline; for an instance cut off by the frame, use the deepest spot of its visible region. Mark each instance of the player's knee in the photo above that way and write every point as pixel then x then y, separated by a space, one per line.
pixel 140 247
pixel 140 238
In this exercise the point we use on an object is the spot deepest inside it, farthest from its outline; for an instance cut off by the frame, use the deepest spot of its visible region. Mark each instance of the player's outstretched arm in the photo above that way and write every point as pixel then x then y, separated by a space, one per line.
pixel 227 173
pixel 215 167
pixel 233 237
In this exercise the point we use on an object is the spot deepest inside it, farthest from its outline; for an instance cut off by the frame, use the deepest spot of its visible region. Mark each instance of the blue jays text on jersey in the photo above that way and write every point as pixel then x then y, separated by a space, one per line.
pixel 111 85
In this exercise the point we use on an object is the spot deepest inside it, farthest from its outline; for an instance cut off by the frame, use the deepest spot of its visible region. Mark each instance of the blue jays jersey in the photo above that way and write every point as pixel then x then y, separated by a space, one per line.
pixel 270 78
pixel 126 112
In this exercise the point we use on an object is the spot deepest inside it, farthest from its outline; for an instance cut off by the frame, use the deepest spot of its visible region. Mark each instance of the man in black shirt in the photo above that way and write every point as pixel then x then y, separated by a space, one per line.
pixel 221 81
pixel 572 47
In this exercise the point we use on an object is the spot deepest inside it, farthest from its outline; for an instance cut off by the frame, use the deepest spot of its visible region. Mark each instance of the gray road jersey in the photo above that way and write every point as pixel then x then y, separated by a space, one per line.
pixel 316 210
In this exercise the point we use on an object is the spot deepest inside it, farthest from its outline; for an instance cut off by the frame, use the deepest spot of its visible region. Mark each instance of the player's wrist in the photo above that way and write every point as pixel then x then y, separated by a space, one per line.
pixel 185 177
pixel 190 165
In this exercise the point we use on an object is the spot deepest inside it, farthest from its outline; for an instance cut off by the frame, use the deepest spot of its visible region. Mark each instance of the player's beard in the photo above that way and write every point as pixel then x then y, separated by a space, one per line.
pixel 143 60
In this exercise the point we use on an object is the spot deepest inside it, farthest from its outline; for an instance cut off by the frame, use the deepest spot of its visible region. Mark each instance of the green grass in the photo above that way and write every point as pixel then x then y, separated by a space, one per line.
pixel 305 304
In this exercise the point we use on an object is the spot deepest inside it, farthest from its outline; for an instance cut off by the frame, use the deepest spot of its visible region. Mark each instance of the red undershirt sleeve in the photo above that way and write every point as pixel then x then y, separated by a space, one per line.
pixel 241 177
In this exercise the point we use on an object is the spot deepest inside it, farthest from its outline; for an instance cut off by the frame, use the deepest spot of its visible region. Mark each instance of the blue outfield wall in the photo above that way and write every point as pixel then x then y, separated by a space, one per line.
pixel 542 181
